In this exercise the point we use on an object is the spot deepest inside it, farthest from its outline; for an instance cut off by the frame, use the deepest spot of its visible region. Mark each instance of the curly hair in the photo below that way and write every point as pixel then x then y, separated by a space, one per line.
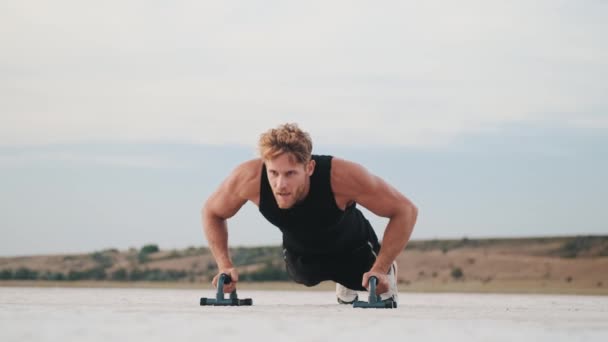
pixel 286 138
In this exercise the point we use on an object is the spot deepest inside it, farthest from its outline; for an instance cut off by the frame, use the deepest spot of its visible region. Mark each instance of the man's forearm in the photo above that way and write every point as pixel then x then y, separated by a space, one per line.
pixel 216 231
pixel 396 236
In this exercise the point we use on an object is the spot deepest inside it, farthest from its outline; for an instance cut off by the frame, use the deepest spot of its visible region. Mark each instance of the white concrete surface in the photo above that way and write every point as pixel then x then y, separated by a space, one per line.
pixel 71 314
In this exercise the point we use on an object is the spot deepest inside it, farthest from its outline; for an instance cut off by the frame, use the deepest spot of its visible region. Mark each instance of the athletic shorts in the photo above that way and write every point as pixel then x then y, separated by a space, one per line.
pixel 345 268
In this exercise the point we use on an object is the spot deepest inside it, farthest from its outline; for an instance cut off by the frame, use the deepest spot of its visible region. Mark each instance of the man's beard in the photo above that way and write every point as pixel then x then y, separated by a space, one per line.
pixel 298 195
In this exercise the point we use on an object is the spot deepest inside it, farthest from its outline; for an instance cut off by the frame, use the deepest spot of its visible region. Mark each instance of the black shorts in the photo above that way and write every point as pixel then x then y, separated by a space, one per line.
pixel 345 268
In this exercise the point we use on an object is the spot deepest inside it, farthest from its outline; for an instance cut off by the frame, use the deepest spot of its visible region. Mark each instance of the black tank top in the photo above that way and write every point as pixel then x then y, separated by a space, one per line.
pixel 316 225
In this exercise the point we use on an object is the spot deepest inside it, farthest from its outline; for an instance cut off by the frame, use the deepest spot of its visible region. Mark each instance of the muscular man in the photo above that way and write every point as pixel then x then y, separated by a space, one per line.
pixel 313 200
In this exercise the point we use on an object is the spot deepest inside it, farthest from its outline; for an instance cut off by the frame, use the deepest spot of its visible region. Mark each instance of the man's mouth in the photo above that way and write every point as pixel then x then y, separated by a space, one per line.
pixel 283 194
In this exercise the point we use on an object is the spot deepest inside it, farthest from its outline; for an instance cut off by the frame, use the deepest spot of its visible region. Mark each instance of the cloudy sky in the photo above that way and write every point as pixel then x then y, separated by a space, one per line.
pixel 118 118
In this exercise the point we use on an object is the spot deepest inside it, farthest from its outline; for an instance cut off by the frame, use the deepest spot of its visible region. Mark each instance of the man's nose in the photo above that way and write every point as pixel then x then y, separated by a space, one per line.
pixel 281 182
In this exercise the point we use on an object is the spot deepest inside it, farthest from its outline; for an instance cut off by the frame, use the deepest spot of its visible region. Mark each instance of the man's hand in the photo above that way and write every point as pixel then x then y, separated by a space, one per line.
pixel 234 275
pixel 383 284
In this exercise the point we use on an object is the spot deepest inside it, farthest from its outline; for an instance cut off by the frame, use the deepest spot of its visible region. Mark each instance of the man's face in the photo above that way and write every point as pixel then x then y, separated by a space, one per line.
pixel 289 179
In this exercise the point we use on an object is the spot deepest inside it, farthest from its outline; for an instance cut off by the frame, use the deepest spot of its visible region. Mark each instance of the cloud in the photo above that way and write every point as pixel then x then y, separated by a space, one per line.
pixel 404 73
pixel 31 157
pixel 104 155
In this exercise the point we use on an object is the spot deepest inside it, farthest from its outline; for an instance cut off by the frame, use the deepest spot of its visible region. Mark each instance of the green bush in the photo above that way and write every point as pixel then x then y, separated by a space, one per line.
pixel 6 275
pixel 149 249
pixel 102 259
pixel 96 273
pixel 57 276
pixel 457 273
pixel 24 273
pixel 270 272
pixel 120 274
pixel 253 255
pixel 573 247
pixel 142 256
pixel 53 276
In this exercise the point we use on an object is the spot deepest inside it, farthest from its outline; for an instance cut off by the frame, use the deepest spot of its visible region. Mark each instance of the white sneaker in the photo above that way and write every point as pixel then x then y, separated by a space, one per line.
pixel 393 291
pixel 345 295
pixel 348 296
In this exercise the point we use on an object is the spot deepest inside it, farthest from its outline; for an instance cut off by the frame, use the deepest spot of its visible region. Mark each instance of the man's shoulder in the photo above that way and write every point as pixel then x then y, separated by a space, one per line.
pixel 341 165
pixel 251 165
pixel 347 173
pixel 248 170
pixel 346 180
pixel 245 178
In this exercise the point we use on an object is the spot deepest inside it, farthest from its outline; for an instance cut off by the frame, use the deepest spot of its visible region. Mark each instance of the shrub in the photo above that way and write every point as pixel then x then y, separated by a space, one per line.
pixel 6 275
pixel 102 259
pixel 269 272
pixel 573 247
pixel 96 273
pixel 53 276
pixel 146 250
pixel 120 275
pixel 253 255
pixel 24 273
pixel 149 249
pixel 142 258
pixel 57 276
pixel 457 273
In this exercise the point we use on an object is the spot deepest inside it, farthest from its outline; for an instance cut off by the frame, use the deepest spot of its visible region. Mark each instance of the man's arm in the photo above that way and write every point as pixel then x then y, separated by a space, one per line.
pixel 225 202
pixel 352 182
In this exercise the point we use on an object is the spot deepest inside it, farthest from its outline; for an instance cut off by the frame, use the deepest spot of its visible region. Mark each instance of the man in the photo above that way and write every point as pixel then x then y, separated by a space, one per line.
pixel 312 199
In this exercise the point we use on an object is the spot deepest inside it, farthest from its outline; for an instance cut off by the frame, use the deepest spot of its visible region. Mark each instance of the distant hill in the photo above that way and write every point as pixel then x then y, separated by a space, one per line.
pixel 556 264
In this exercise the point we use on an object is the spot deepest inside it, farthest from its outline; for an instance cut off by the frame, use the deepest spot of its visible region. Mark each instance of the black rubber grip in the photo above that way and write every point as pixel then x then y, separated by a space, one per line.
pixel 227 279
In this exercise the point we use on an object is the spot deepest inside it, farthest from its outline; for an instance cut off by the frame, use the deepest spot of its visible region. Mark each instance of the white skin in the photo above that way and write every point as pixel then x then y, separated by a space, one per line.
pixel 290 183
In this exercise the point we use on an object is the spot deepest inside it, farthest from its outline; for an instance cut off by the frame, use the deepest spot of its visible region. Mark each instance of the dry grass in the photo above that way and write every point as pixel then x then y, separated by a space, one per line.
pixel 497 266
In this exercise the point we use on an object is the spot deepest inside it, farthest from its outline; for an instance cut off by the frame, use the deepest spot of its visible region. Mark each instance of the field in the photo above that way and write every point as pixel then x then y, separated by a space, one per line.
pixel 559 265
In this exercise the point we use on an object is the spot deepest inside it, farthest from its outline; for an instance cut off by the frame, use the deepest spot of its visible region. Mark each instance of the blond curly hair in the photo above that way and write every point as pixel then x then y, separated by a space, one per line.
pixel 286 138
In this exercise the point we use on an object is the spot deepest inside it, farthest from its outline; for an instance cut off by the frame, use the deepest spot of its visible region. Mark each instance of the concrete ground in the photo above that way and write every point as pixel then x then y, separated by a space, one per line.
pixel 90 314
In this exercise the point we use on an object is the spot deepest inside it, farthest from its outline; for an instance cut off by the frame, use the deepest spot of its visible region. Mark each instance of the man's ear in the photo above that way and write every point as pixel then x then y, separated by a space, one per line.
pixel 310 167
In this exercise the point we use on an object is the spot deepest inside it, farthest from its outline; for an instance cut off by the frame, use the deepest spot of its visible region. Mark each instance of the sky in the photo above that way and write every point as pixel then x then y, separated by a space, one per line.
pixel 119 118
